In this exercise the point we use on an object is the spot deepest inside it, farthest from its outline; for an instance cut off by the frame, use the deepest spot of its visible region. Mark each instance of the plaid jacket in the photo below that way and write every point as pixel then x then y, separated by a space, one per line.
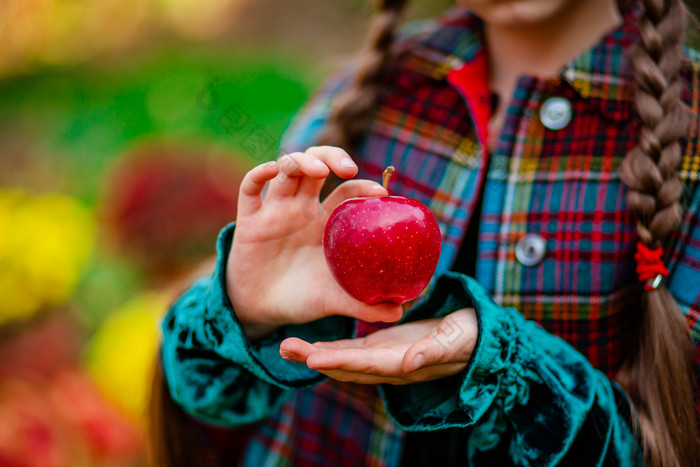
pixel 527 396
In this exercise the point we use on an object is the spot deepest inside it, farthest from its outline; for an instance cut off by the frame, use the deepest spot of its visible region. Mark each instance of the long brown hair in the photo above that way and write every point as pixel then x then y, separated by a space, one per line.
pixel 658 373
pixel 352 108
pixel 169 435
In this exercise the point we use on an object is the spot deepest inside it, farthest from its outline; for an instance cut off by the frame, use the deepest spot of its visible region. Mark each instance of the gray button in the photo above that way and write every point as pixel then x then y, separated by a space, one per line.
pixel 530 250
pixel 555 113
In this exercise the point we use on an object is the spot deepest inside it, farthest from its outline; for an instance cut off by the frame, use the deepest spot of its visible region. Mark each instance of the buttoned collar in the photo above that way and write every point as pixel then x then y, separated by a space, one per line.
pixel 602 73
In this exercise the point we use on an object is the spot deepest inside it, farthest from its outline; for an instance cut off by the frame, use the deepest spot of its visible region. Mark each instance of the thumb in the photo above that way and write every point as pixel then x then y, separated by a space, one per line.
pixel 353 189
pixel 451 341
pixel 427 351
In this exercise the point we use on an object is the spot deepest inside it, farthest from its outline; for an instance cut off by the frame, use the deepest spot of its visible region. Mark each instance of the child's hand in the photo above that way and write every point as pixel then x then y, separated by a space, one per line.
pixel 403 354
pixel 277 272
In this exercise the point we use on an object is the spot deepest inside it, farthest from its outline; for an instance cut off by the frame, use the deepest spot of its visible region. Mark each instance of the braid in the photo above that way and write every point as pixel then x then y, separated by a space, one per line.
pixel 658 374
pixel 352 108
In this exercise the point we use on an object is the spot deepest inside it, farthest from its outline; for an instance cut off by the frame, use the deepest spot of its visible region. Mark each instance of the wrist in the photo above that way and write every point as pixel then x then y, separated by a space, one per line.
pixel 253 330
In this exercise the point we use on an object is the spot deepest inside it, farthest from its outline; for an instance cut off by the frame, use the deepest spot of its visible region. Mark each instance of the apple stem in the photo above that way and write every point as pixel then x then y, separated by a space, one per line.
pixel 386 176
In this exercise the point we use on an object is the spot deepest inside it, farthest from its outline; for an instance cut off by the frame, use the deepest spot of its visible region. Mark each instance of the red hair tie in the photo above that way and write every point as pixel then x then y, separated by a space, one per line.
pixel 650 268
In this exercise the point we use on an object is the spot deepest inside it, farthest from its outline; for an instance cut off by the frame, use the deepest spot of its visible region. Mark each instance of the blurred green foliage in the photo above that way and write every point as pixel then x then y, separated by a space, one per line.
pixel 88 115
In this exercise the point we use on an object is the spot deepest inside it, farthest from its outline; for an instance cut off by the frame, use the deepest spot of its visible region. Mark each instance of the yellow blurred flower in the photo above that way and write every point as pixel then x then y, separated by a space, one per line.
pixel 122 352
pixel 45 241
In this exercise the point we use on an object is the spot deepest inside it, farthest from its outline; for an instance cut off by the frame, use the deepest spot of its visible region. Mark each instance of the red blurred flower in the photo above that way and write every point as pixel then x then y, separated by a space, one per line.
pixel 107 433
pixel 30 433
pixel 63 422
pixel 165 205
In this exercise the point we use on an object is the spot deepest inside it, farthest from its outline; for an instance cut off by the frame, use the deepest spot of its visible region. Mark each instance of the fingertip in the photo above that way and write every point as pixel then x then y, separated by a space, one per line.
pixel 368 188
pixel 390 312
pixel 269 166
pixel 346 168
pixel 337 159
pixel 291 343
pixel 286 342
pixel 381 313
pixel 394 312
pixel 289 355
pixel 254 181
pixel 288 346
pixel 295 349
pixel 264 171
pixel 347 163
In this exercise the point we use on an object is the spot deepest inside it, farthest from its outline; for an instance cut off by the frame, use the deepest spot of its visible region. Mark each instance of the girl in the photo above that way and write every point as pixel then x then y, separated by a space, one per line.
pixel 556 142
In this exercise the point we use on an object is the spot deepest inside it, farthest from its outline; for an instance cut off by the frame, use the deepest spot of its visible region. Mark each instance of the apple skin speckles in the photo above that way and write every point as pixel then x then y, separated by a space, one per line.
pixel 382 249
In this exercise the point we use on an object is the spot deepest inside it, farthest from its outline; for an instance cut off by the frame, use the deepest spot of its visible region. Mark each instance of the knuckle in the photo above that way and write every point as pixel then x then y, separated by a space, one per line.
pixel 326 151
pixel 373 368
pixel 289 162
pixel 317 151
pixel 442 354
pixel 448 332
pixel 437 353
pixel 344 191
pixel 320 147
pixel 284 160
pixel 311 209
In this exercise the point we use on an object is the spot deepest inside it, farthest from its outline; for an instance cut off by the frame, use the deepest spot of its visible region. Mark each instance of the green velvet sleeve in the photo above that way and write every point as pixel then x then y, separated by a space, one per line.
pixel 526 397
pixel 214 372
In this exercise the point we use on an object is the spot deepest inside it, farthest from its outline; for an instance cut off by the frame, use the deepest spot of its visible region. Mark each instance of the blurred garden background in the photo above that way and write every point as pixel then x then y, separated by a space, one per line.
pixel 125 128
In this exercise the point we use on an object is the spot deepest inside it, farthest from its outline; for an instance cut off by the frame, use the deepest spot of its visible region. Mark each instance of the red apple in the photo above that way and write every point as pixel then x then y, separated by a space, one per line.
pixel 382 249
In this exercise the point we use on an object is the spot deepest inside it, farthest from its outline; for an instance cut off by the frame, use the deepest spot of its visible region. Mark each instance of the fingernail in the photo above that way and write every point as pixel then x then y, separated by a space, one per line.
pixel 288 355
pixel 318 163
pixel 417 362
pixel 377 187
pixel 347 162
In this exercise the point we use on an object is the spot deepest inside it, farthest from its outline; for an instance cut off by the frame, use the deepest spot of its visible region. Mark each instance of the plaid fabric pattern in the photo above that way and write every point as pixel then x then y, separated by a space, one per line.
pixel 561 184
pixel 332 424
